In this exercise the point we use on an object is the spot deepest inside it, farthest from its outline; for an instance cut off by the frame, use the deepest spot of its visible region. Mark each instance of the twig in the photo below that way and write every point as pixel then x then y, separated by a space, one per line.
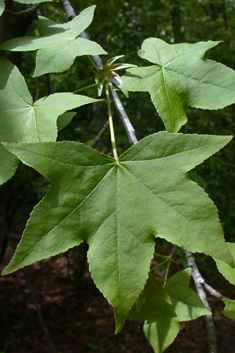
pixel 210 326
pixel 100 134
pixel 114 97
pixel 124 118
pixel 175 247
pixel 211 335
pixel 213 291
pixel 68 9
pixel 209 289
pixel 23 13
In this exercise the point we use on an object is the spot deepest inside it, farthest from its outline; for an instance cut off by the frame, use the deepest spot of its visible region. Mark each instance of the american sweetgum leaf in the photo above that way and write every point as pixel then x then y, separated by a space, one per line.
pixel 161 324
pixel 60 45
pixel 180 77
pixel 163 331
pixel 185 301
pixel 229 309
pixel 160 306
pixel 119 207
pixel 224 269
pixel 21 120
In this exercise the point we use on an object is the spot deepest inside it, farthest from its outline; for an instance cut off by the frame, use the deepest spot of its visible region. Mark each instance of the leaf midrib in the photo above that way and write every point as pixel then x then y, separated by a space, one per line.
pixel 66 163
pixel 173 155
pixel 168 99
pixel 157 196
pixel 58 53
pixel 118 251
pixel 201 81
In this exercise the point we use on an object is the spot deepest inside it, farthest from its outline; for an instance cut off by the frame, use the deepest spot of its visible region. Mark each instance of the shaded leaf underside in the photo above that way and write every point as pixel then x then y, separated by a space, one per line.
pixel 161 305
pixel 161 324
pixel 185 301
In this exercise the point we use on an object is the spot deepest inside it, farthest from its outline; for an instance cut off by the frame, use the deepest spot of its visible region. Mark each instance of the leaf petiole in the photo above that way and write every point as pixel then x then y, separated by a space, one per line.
pixel 167 270
pixel 111 121
pixel 158 265
pixel 84 88
pixel 92 62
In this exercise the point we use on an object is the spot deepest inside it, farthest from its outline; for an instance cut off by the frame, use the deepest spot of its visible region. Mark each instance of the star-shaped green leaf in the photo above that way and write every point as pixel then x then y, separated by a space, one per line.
pixel 185 301
pixel 160 306
pixel 21 120
pixel 60 45
pixel 180 77
pixel 119 207
pixel 161 324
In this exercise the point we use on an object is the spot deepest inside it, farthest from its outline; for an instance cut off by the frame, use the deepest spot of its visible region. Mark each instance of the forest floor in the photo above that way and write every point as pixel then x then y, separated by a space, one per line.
pixel 83 324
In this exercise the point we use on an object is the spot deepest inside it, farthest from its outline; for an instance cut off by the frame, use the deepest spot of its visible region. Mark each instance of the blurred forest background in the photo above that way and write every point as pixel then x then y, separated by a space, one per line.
pixel 53 306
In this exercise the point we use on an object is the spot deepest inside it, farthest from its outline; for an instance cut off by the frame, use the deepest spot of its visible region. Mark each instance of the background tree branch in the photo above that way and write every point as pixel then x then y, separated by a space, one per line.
pixel 114 96
pixel 198 280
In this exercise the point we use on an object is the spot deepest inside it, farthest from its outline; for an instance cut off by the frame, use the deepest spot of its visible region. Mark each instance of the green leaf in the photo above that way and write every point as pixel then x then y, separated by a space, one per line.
pixel 2 6
pixel 61 44
pixel 9 164
pixel 185 301
pixel 163 331
pixel 224 269
pixel 21 120
pixel 64 119
pixel 229 309
pixel 181 77
pixel 161 324
pixel 118 207
pixel 47 27
pixel 152 297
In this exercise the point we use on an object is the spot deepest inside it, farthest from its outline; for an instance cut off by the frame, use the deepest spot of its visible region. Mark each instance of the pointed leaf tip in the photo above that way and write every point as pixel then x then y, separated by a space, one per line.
pixel 225 268
pixel 229 309
pixel 180 77
pixel 51 47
